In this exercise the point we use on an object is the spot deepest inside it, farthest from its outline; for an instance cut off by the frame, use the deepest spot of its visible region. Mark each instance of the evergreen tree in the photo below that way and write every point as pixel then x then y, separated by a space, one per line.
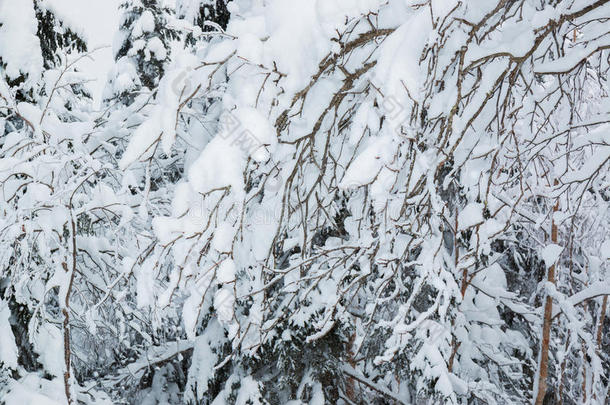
pixel 56 38
pixel 142 48
pixel 198 12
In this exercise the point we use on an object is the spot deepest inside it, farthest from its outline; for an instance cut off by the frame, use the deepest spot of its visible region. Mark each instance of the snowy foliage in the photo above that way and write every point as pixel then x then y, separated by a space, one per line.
pixel 308 202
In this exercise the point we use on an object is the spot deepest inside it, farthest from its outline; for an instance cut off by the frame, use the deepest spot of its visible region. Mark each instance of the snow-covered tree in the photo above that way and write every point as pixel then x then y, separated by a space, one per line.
pixel 142 48
pixel 59 210
pixel 364 195
pixel 316 202
pixel 206 14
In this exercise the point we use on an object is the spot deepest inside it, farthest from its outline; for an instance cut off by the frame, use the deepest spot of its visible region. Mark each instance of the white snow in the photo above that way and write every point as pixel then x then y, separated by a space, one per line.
pixel 550 254
pixel 35 390
pixel 594 290
pixel 8 348
pixel 367 165
pixel 259 138
pixel 226 271
pixel 156 48
pixel 223 237
pixel 19 45
pixel 223 303
pixel 49 344
pixel 145 24
pixel 470 215
pixel 98 21
pixel 219 165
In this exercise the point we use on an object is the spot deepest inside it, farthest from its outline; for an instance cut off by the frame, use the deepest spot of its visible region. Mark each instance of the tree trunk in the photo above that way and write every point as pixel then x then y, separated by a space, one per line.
pixel 562 372
pixel 602 316
pixel 456 257
pixel 66 314
pixel 546 327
